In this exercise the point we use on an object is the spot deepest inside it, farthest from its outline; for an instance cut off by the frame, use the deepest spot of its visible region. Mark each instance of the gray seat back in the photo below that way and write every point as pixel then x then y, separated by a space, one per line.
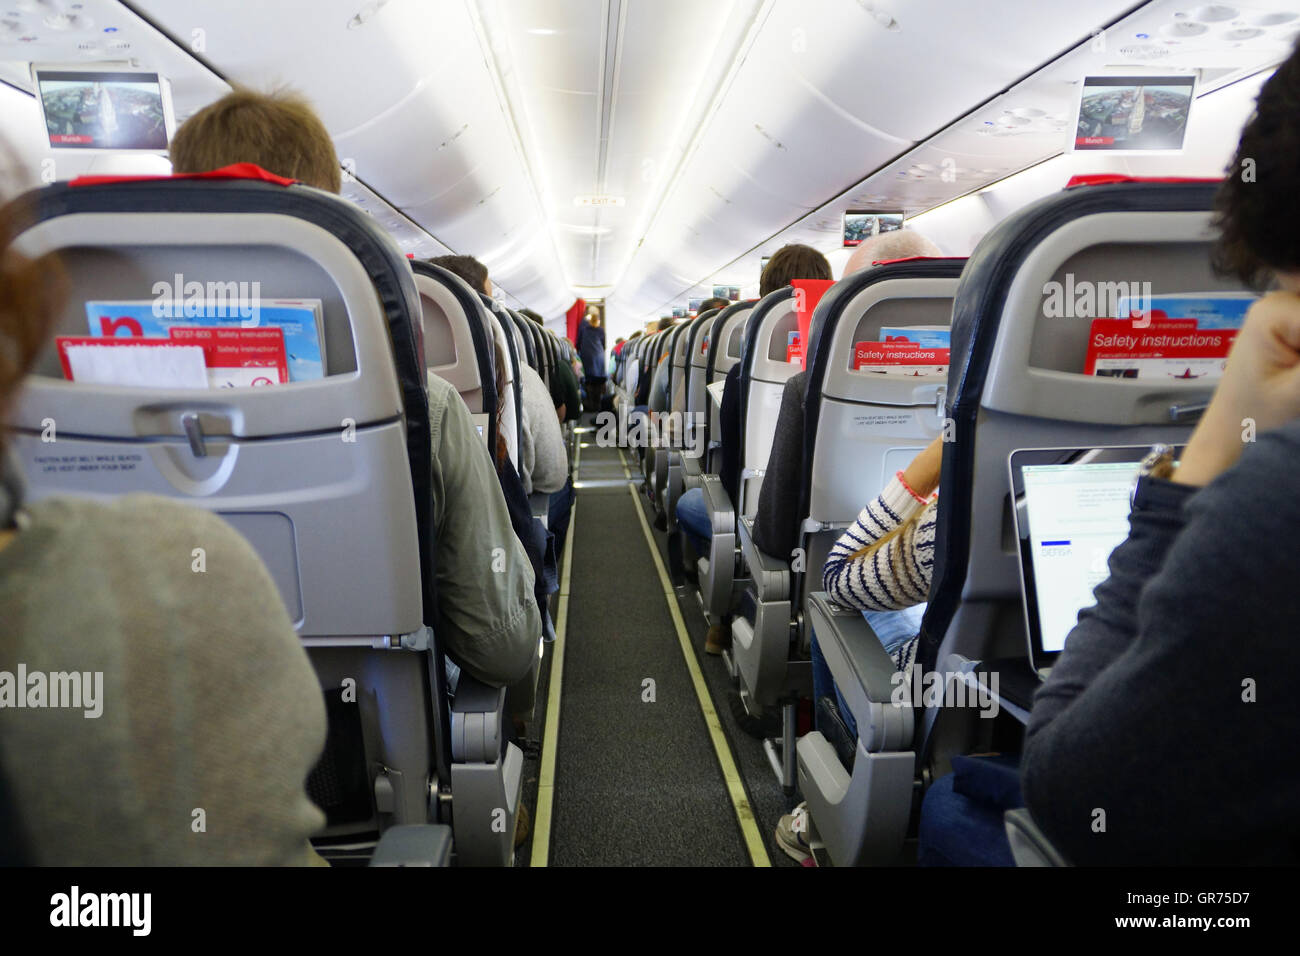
pixel 1016 382
pixel 862 427
pixel 326 478
pixel 763 374
pixel 457 341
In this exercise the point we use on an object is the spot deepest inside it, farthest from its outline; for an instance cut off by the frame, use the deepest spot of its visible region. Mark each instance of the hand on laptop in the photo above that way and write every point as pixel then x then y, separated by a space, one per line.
pixel 1260 389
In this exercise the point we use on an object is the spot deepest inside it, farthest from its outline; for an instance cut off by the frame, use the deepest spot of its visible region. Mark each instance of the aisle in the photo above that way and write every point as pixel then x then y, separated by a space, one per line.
pixel 637 778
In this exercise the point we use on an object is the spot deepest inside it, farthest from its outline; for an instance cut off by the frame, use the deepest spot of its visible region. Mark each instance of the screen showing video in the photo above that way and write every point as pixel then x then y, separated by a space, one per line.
pixel 860 226
pixel 1144 113
pixel 117 111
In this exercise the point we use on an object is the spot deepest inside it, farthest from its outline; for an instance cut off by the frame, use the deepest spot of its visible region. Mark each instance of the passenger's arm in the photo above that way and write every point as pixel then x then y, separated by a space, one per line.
pixel 1167 742
pixel 895 575
pixel 487 617
pixel 1174 681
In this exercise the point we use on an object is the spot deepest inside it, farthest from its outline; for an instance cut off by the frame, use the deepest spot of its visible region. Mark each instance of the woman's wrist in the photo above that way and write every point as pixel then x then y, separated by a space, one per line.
pixel 916 493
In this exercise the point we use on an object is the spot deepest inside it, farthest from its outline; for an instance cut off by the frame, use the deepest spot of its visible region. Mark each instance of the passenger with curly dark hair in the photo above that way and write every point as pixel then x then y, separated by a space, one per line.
pixel 1170 712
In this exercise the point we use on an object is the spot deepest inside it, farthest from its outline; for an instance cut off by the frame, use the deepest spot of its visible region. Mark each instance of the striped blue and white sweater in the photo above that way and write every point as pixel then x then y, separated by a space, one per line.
pixel 895 576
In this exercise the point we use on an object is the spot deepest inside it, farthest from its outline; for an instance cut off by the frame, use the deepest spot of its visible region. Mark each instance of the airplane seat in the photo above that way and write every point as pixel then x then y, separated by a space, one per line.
pixel 716 574
pixel 269 460
pixel 524 343
pixel 457 341
pixel 1016 382
pixel 511 403
pixel 680 451
pixel 663 434
pixel 540 350
pixel 859 429
pixel 764 371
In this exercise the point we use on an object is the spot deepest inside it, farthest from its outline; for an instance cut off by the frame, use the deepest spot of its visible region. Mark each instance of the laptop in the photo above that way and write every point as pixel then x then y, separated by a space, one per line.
pixel 1071 511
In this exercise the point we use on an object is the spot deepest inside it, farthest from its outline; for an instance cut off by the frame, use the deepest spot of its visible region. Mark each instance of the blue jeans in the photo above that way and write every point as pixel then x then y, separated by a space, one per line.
pixel 960 830
pixel 893 628
pixel 693 519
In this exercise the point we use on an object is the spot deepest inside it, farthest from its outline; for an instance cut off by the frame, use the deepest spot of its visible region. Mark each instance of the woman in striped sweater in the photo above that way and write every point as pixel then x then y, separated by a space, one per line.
pixel 882 565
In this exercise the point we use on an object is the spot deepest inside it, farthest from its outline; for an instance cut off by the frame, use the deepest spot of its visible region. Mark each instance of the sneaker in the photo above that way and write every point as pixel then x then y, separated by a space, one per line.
pixel 718 640
pixel 792 834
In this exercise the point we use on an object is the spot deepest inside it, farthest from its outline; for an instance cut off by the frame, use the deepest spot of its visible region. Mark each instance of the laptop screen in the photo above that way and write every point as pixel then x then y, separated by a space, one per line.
pixel 1078 515
pixel 1072 508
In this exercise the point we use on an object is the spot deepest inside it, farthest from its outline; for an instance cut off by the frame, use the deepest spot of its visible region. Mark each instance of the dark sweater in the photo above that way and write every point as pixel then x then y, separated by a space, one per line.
pixel 591 350
pixel 776 523
pixel 564 391
pixel 1148 714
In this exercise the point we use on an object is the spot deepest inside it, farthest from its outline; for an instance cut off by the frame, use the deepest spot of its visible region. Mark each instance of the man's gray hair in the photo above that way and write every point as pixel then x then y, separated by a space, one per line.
pixel 899 244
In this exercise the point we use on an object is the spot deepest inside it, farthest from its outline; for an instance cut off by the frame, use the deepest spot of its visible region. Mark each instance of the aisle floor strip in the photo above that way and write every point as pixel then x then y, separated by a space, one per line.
pixel 753 838
pixel 551 733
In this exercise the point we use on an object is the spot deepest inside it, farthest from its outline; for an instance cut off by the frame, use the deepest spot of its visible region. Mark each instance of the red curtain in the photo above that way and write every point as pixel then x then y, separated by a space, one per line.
pixel 574 315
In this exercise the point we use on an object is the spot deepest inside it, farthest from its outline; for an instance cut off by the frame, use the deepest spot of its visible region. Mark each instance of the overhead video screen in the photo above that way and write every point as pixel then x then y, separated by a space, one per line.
pixel 1134 113
pixel 860 225
pixel 97 110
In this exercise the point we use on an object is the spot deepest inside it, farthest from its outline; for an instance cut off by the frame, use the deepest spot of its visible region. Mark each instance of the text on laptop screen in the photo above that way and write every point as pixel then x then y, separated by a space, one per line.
pixel 1078 514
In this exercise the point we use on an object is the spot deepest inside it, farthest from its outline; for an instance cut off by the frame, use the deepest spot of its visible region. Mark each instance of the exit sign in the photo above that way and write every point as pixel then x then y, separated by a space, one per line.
pixel 599 201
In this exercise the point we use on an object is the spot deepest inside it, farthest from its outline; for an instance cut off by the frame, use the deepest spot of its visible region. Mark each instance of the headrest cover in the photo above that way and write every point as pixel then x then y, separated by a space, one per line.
pixel 233 171
pixel 1104 179
pixel 886 262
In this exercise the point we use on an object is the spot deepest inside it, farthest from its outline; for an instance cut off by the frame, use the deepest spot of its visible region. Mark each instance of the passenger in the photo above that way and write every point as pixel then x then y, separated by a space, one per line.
pixel 187 672
pixel 489 621
pixel 278 131
pixel 717 302
pixel 591 348
pixel 787 264
pixel 1170 709
pixel 538 541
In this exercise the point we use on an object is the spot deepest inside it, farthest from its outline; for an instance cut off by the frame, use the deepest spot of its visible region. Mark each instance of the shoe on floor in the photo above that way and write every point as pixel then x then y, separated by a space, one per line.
pixel 661 522
pixel 718 640
pixel 792 834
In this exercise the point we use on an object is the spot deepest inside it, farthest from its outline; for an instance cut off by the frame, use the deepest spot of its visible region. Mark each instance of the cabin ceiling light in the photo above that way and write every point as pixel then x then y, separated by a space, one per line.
pixel 1214 13
pixel 1273 19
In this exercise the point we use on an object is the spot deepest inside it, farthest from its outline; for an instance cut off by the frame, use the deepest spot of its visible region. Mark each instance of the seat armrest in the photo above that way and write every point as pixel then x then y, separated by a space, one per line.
pixel 1029 845
pixel 865 675
pixel 422 844
pixel 771 575
pixel 477 721
pixel 718 502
